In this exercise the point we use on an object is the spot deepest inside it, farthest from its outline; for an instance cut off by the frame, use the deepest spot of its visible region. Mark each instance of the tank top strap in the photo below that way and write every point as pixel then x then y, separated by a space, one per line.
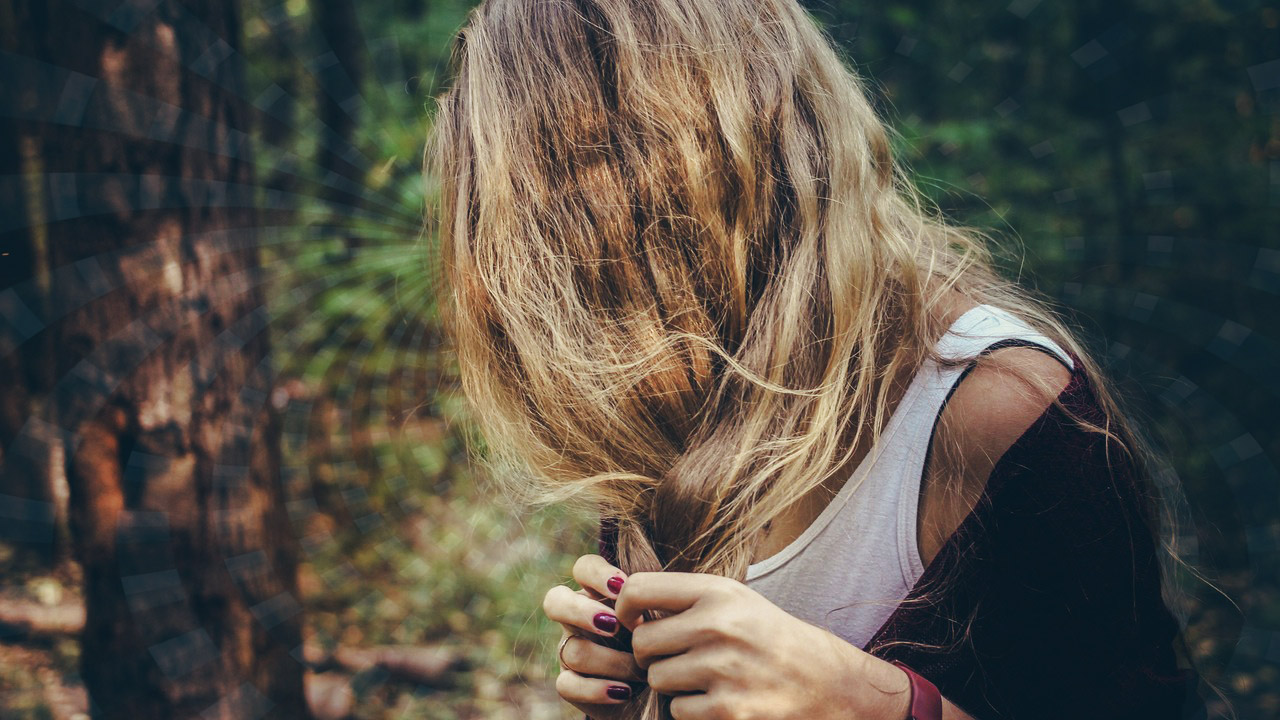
pixel 979 330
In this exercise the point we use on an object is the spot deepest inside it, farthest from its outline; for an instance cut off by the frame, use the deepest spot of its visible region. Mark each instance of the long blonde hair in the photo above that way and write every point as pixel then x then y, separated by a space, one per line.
pixel 682 265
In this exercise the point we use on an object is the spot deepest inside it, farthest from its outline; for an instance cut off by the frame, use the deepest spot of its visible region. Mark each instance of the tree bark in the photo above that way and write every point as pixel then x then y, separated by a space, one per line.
pixel 163 372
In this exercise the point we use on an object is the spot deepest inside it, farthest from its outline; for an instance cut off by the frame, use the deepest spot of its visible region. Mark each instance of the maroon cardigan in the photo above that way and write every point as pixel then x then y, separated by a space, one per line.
pixel 1046 601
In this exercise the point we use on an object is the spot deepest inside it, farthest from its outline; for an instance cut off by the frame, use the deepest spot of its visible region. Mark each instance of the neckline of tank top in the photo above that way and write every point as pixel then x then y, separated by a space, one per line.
pixel 950 345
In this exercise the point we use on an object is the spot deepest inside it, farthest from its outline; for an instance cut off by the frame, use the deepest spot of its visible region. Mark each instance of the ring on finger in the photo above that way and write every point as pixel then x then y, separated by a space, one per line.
pixel 560 651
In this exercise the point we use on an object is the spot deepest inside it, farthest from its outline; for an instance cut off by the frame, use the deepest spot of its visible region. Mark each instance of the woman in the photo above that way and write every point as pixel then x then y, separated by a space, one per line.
pixel 843 469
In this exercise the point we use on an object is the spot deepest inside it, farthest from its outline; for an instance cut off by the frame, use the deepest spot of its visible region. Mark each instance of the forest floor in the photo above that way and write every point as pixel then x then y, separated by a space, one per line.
pixel 438 619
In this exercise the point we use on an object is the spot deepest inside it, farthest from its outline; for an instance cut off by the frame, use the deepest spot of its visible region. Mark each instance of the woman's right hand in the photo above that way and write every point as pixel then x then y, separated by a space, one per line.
pixel 597 680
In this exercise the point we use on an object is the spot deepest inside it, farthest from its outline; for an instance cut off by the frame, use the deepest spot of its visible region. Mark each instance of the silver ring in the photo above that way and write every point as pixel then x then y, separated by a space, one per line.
pixel 560 651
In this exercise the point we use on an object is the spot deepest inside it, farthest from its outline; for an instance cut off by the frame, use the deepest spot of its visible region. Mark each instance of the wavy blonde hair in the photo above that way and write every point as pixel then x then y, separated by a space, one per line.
pixel 682 266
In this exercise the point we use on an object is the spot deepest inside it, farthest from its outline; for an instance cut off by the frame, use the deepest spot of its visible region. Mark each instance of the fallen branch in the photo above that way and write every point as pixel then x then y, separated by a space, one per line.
pixel 424 665
pixel 27 619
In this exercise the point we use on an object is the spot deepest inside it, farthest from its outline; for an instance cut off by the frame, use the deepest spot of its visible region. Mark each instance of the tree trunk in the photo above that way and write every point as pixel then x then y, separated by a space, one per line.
pixel 339 70
pixel 163 377
pixel 29 497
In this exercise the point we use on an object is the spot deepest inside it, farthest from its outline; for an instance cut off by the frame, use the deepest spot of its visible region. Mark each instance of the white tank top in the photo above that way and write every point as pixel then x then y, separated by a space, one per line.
pixel 848 571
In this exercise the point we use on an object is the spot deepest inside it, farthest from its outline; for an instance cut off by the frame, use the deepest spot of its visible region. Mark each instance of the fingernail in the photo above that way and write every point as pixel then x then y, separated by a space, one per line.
pixel 618 692
pixel 614 584
pixel 606 622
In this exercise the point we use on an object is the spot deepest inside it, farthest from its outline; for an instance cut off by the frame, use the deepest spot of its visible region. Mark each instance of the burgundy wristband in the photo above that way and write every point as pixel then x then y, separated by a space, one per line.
pixel 926 701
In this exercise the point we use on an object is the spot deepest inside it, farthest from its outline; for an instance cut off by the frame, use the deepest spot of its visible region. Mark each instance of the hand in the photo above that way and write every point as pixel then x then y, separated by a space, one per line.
pixel 597 680
pixel 728 653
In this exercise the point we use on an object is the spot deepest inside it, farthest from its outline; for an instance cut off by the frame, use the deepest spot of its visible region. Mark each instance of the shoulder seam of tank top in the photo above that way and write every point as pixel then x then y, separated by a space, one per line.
pixel 969 344
pixel 841 499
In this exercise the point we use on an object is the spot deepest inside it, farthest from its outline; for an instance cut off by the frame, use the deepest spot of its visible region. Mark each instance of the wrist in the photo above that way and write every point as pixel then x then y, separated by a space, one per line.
pixel 900 707
pixel 880 690
pixel 896 692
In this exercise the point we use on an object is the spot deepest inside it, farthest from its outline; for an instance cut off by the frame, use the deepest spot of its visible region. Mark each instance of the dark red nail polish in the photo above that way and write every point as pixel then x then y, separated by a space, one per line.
pixel 606 622
pixel 618 692
pixel 614 584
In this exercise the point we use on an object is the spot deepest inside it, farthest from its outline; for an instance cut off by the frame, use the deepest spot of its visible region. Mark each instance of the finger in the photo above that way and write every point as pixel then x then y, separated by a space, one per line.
pixel 679 674
pixel 595 573
pixel 569 633
pixel 693 707
pixel 669 591
pixel 578 611
pixel 673 635
pixel 589 593
pixel 591 691
pixel 590 659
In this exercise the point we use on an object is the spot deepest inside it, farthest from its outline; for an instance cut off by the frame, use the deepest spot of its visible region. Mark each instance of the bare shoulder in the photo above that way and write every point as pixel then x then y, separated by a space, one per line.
pixel 998 399
pixel 995 403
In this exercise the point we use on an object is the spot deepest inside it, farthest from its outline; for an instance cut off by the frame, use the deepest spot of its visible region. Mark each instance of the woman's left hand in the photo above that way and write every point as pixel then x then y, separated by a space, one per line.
pixel 726 652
